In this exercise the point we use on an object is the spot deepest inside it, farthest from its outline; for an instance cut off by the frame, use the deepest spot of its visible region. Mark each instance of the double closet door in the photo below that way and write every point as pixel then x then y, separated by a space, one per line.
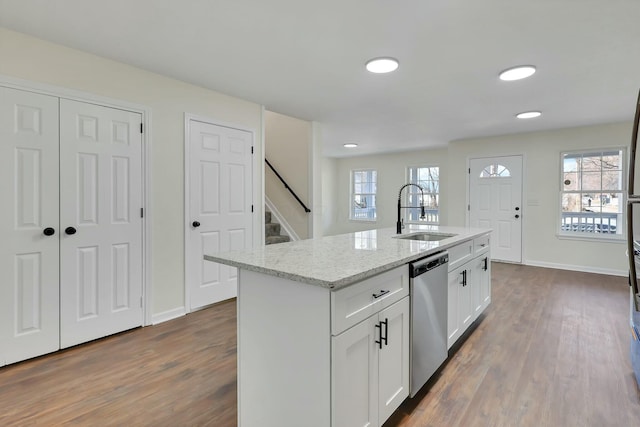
pixel 70 223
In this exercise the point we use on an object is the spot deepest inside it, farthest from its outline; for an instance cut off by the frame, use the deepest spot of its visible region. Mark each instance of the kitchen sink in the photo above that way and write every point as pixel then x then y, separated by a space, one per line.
pixel 426 236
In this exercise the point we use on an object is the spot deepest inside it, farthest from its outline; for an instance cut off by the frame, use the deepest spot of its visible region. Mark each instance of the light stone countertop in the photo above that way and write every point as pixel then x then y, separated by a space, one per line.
pixel 337 261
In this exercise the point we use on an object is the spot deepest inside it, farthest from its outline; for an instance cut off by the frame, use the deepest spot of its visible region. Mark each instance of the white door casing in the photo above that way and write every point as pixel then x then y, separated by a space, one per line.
pixel 28 258
pixel 495 201
pixel 101 198
pixel 218 169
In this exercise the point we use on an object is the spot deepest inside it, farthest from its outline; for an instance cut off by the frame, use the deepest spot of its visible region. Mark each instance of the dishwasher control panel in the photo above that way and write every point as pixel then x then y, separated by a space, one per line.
pixel 419 267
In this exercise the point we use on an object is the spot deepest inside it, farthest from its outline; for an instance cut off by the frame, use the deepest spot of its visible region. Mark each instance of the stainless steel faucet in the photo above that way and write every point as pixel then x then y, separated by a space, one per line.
pixel 399 223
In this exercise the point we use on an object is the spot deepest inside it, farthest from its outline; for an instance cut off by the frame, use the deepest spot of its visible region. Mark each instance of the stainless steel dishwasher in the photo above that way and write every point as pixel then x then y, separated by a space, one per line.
pixel 428 286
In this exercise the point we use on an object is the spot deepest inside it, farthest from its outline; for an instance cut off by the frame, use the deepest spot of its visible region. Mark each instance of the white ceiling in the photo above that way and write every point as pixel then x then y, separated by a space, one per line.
pixel 306 59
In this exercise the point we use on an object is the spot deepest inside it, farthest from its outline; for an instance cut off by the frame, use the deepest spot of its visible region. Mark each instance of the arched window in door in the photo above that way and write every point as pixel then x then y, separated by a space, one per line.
pixel 495 171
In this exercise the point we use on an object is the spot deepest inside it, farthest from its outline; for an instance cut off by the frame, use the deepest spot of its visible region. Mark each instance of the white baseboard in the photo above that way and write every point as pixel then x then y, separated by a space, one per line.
pixel 281 220
pixel 167 315
pixel 597 270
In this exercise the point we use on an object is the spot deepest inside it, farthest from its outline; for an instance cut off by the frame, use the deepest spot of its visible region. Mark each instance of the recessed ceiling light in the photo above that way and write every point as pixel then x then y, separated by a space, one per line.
pixel 350 145
pixel 517 73
pixel 382 65
pixel 529 114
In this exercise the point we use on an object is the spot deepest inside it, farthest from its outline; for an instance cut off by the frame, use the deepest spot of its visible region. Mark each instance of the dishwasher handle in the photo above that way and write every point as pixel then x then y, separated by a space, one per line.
pixel 422 266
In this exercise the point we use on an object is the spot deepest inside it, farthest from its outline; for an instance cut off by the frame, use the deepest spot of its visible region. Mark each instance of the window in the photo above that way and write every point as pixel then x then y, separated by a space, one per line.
pixel 495 171
pixel 363 195
pixel 592 197
pixel 427 177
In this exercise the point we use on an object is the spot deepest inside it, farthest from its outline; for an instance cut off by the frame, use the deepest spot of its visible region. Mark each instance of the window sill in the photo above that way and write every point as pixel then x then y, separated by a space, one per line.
pixel 372 221
pixel 617 239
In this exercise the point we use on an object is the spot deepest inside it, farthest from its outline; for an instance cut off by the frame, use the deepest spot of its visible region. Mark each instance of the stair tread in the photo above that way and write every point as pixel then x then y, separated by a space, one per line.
pixel 270 240
pixel 272 230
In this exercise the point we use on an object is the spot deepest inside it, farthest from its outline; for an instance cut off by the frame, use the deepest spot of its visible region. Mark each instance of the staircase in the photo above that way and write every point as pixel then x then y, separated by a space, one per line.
pixel 272 231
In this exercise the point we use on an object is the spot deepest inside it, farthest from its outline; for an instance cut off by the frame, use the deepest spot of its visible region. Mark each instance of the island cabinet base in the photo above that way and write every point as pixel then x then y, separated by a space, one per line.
pixel 309 356
pixel 284 352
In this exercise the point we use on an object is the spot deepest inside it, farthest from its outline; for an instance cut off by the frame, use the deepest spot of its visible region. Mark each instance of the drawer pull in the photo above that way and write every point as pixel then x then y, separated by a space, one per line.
pixel 376 296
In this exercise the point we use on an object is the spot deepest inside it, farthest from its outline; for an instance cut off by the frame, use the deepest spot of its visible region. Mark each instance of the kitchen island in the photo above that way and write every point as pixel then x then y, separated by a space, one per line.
pixel 323 325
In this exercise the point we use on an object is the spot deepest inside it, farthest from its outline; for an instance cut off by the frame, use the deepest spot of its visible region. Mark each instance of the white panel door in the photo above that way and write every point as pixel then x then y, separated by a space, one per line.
pixel 495 201
pixel 219 216
pixel 28 254
pixel 100 221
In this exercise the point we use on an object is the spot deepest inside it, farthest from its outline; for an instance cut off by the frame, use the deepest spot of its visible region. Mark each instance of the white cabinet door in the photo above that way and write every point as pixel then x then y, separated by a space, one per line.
pixel 468 293
pixel 100 221
pixel 354 385
pixel 393 369
pixel 481 287
pixel 466 297
pixel 485 281
pixel 28 258
pixel 476 298
pixel 219 213
pixel 453 305
pixel 460 306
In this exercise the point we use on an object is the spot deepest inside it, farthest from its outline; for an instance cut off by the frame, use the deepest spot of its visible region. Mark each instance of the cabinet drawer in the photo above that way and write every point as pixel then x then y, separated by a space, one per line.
pixel 481 244
pixel 356 302
pixel 460 254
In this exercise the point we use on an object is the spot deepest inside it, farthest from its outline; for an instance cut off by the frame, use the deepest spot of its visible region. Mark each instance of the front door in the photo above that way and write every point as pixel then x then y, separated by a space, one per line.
pixel 28 225
pixel 100 221
pixel 495 201
pixel 219 208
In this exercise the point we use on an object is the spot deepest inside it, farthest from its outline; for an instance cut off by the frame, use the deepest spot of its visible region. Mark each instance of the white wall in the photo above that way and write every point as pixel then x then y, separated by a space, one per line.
pixel 329 200
pixel 541 186
pixel 391 169
pixel 317 183
pixel 288 149
pixel 32 59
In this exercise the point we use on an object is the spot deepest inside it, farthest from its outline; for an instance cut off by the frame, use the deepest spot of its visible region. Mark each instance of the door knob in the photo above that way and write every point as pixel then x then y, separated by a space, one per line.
pixel 70 230
pixel 517 208
pixel 195 224
pixel 48 231
pixel 517 216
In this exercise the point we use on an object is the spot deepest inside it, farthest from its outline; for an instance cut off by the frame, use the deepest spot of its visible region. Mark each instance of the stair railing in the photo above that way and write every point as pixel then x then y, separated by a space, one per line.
pixel 306 209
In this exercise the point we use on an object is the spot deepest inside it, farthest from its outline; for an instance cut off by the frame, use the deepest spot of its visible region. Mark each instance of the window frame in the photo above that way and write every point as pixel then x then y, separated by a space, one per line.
pixel 620 216
pixel 352 195
pixel 408 191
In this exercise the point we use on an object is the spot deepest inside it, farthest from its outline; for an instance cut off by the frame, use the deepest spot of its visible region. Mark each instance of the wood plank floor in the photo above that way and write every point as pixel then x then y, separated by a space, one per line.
pixel 178 373
pixel 551 350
